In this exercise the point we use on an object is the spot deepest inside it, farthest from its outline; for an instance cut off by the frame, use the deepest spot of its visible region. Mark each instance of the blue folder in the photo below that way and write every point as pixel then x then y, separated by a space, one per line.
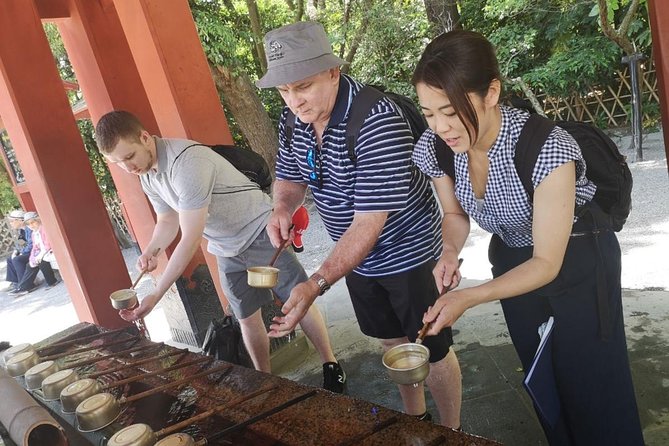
pixel 540 380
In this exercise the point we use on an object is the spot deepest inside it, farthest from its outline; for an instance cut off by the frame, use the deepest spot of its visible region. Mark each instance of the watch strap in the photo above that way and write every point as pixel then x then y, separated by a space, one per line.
pixel 322 283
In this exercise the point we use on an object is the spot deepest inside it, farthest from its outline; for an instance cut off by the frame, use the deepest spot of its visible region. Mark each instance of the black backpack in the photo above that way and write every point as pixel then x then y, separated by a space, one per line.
pixel 606 166
pixel 362 105
pixel 244 160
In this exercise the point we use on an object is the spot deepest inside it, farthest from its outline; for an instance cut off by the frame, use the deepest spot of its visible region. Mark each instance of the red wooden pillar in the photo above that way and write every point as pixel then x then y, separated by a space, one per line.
pixel 40 124
pixel 658 12
pixel 108 78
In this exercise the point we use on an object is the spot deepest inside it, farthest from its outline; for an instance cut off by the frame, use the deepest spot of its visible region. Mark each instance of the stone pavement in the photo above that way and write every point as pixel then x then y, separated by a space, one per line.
pixel 494 402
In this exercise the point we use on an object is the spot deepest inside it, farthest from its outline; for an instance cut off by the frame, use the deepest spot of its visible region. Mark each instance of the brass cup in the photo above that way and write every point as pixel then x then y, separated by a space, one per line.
pixel 19 364
pixel 56 382
pixel 134 435
pixel 97 411
pixel 75 393
pixel 13 351
pixel 123 299
pixel 262 276
pixel 407 363
pixel 179 439
pixel 36 374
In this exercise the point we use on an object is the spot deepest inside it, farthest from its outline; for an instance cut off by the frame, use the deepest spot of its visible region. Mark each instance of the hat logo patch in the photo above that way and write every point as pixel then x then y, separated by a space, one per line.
pixel 275 48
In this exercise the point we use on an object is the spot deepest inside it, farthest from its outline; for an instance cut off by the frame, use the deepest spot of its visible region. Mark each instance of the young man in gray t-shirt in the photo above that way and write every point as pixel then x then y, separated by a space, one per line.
pixel 197 191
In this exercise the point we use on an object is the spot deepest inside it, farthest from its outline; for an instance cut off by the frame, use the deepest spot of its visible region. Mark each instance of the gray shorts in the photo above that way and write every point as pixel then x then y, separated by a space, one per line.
pixel 246 300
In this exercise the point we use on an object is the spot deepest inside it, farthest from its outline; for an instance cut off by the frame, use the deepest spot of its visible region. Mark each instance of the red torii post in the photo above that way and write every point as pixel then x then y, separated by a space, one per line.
pixel 39 121
pixel 127 55
pixel 658 12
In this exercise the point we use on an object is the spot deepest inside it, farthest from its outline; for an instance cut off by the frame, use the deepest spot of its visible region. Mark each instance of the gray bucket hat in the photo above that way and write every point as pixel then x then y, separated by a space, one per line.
pixel 295 52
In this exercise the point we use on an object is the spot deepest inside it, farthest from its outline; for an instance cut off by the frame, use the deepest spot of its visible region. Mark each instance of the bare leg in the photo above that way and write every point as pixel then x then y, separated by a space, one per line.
pixel 445 384
pixel 256 341
pixel 315 329
pixel 413 396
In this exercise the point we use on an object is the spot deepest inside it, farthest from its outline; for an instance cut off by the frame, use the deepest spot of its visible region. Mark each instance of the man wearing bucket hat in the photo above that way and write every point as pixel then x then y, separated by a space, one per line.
pixel 198 192
pixel 23 244
pixel 381 214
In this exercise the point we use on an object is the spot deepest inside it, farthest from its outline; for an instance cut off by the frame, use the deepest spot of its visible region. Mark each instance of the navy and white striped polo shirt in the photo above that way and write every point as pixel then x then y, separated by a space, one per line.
pixel 382 179
pixel 506 209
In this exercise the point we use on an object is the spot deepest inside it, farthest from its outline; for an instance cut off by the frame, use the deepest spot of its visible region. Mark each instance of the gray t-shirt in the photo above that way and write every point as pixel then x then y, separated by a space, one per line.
pixel 197 177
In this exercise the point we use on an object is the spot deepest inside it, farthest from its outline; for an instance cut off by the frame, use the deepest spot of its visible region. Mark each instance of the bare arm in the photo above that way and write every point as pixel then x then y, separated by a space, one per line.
pixel 454 231
pixel 351 249
pixel 165 231
pixel 192 224
pixel 287 196
pixel 552 222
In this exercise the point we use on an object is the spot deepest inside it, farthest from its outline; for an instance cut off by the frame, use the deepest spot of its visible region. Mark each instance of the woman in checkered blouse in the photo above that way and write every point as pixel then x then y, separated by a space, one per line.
pixel 544 260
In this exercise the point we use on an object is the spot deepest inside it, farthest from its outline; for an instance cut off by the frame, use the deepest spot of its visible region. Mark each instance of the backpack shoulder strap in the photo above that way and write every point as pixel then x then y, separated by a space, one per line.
pixel 182 152
pixel 289 129
pixel 360 107
pixel 532 139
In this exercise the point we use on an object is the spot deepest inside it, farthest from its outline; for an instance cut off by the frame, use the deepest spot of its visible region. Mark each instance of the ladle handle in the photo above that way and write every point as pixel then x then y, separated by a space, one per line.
pixel 80 340
pixel 185 380
pixel 137 363
pixel 426 325
pixel 134 284
pixel 87 349
pixel 177 427
pixel 132 379
pixel 94 359
pixel 280 248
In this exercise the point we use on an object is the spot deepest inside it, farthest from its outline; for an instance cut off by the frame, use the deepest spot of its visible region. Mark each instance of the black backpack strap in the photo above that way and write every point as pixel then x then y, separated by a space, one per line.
pixel 360 107
pixel 182 152
pixel 289 127
pixel 532 139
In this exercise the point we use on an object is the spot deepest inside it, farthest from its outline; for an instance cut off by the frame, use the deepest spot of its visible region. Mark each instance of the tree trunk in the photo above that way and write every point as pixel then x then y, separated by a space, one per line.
pixel 243 102
pixel 443 15
pixel 254 16
pixel 357 38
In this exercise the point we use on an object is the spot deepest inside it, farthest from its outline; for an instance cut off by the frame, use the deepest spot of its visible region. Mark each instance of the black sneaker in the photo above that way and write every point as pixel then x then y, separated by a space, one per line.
pixel 334 377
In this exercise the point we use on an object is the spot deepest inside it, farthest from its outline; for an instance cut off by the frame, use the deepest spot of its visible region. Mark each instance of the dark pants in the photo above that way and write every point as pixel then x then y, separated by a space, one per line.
pixel 592 374
pixel 28 280
pixel 16 267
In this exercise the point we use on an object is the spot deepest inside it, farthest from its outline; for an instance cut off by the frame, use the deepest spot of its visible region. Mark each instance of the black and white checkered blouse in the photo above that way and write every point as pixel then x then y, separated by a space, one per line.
pixel 506 209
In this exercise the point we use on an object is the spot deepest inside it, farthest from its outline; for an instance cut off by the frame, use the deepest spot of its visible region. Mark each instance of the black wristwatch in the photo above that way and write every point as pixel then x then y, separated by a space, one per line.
pixel 321 282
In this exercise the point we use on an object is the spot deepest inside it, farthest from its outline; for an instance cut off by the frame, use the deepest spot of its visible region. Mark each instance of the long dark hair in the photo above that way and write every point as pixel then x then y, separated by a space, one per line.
pixel 459 62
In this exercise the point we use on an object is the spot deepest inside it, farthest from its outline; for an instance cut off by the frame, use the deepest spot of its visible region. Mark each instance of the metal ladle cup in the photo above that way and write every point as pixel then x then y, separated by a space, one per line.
pixel 266 276
pixel 408 363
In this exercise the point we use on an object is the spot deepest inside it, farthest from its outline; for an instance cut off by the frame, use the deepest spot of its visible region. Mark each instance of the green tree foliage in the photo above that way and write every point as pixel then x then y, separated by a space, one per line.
pixel 8 200
pixel 225 32
pixel 555 46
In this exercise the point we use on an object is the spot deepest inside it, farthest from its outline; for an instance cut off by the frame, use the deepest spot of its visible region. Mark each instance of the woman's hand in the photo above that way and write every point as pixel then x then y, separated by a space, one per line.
pixel 445 311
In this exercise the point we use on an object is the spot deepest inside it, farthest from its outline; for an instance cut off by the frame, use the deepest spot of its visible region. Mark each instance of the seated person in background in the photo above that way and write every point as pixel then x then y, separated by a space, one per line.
pixel 23 244
pixel 41 247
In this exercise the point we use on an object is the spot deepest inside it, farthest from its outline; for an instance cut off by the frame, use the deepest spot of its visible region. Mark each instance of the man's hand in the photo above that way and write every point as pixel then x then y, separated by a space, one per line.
pixel 296 307
pixel 142 310
pixel 278 227
pixel 148 261
pixel 447 272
